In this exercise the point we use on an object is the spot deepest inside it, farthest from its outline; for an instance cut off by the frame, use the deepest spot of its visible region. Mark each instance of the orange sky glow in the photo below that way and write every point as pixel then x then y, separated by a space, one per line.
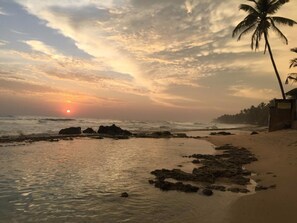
pixel 142 60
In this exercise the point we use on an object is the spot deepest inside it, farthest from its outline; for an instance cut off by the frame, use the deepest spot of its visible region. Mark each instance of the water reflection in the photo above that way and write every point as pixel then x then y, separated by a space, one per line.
pixel 81 181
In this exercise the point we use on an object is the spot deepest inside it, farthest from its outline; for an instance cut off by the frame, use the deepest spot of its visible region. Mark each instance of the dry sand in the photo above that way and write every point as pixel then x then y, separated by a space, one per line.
pixel 277 164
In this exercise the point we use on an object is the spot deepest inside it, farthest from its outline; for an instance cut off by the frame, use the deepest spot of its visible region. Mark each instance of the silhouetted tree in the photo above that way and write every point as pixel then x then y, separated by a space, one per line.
pixel 292 76
pixel 259 21
pixel 253 115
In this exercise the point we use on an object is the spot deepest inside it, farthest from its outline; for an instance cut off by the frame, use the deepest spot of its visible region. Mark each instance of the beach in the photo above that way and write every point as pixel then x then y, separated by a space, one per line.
pixel 277 164
pixel 48 177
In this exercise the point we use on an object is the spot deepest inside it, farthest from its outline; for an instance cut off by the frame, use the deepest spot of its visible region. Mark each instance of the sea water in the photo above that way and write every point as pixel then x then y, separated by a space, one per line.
pixel 24 125
pixel 82 180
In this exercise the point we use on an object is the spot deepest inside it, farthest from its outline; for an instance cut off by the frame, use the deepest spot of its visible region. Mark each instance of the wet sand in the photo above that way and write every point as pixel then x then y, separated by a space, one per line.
pixel 277 164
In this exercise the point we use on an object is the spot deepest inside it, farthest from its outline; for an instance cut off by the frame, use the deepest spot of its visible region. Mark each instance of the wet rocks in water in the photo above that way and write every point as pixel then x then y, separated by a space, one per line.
pixel 70 131
pixel 220 133
pixel 181 135
pixel 207 192
pixel 113 130
pixel 179 186
pixel 162 134
pixel 89 131
pixel 125 194
pixel 226 166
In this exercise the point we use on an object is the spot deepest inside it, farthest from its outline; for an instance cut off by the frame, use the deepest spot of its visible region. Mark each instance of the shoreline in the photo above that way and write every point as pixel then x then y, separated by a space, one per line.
pixel 277 164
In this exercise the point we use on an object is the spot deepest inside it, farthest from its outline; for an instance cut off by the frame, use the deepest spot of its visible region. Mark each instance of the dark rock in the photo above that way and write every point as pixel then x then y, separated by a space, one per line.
pixel 151 181
pixel 234 189
pixel 260 187
pixel 254 133
pixel 179 186
pixel 70 131
pixel 240 180
pixel 89 131
pixel 226 166
pixel 216 187
pixel 162 134
pixel 176 174
pixel 207 192
pixel 196 161
pixel 125 194
pixel 181 135
pixel 113 130
pixel 220 133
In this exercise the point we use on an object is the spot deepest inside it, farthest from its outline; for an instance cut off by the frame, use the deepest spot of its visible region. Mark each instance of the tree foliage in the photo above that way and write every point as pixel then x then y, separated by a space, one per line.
pixel 253 115
pixel 259 21
pixel 292 76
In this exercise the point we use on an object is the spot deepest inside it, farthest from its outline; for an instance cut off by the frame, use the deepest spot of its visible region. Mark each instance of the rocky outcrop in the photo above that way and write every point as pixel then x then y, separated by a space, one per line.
pixel 89 131
pixel 178 186
pixel 226 166
pixel 70 131
pixel 220 133
pixel 113 130
pixel 162 134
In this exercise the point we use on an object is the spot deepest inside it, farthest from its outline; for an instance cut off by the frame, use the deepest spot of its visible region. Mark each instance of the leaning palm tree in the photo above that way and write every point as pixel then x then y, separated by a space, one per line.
pixel 292 76
pixel 259 21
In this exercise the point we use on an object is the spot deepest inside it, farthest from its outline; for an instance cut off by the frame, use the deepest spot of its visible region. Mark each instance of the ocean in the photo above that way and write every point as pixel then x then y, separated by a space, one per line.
pixel 81 180
pixel 26 125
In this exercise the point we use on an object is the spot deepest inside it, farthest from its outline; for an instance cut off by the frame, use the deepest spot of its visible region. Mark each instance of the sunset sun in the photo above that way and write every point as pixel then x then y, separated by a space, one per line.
pixel 68 111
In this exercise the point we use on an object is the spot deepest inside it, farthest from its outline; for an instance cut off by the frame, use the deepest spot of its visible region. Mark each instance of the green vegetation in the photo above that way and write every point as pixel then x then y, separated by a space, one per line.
pixel 292 76
pixel 260 21
pixel 253 115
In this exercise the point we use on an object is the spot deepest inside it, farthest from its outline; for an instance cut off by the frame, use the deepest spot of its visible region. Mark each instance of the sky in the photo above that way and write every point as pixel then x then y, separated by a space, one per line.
pixel 134 59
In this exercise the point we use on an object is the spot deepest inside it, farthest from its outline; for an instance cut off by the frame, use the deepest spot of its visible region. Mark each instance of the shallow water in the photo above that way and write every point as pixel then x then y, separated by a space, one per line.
pixel 81 181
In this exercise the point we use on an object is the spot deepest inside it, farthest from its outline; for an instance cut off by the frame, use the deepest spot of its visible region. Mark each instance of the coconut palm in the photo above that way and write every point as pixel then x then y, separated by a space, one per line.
pixel 259 21
pixel 292 76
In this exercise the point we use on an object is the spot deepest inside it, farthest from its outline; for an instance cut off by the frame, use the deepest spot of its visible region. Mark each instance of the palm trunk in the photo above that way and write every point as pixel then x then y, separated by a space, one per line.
pixel 274 66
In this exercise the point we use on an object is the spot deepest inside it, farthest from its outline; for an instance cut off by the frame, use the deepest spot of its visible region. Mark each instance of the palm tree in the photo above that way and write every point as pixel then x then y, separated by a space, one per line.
pixel 259 21
pixel 292 76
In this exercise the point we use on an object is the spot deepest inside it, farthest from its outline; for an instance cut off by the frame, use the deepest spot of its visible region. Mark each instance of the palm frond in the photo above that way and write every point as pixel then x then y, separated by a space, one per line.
pixel 244 24
pixel 279 33
pixel 246 31
pixel 293 63
pixel 291 77
pixel 294 50
pixel 248 9
pixel 255 39
pixel 275 5
pixel 283 21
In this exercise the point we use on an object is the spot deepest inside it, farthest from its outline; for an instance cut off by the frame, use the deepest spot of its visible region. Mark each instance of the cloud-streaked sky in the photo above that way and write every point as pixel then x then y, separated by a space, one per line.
pixel 134 59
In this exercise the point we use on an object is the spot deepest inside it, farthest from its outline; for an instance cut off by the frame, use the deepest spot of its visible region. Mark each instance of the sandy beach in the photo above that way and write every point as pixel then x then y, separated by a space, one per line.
pixel 277 164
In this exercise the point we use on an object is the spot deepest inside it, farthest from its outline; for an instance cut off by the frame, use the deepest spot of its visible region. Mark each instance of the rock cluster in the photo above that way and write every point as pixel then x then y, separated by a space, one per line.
pixel 70 131
pixel 113 130
pixel 227 166
pixel 220 133
pixel 89 131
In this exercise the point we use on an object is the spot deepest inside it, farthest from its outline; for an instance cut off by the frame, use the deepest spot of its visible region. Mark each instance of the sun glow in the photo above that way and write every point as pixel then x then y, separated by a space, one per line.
pixel 68 111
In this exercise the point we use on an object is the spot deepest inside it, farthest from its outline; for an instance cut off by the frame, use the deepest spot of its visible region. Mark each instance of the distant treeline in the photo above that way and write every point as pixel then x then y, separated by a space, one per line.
pixel 253 115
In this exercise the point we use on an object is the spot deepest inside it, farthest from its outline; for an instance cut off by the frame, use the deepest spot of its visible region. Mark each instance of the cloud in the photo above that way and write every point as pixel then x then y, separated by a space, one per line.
pixel 9 85
pixel 2 12
pixel 3 42
pixel 145 48
pixel 243 91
